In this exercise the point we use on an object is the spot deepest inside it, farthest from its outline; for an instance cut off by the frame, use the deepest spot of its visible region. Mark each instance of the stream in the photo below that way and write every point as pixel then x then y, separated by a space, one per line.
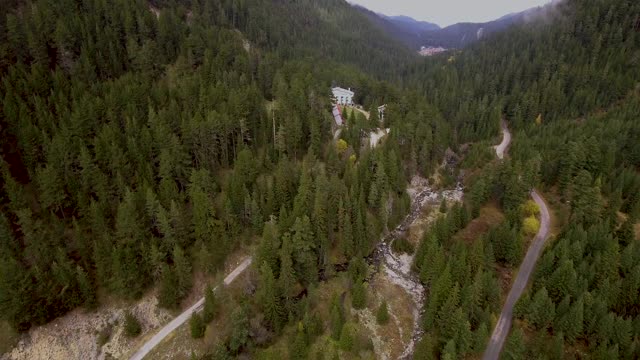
pixel 398 267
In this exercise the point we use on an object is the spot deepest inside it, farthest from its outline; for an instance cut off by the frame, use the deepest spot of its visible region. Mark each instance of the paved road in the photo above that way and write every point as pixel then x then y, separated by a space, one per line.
pixel 501 330
pixel 182 318
pixel 506 140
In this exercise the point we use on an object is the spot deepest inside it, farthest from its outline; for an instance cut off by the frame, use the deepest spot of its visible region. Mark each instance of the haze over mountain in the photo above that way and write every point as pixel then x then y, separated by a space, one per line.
pixel 416 34
pixel 446 13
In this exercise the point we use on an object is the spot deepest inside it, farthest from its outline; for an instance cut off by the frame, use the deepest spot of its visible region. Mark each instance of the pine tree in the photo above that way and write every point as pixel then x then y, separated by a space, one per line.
pixel 197 326
pixel 514 348
pixel 268 247
pixel 240 330
pixel 87 289
pixel 169 295
pixel 480 338
pixel 449 351
pixel 358 295
pixel 303 245
pixel 382 316
pixel 586 205
pixel 347 337
pixel 182 270
pixel 336 318
pixel 347 239
pixel 541 310
pixel 211 306
pixel 269 298
pixel 287 279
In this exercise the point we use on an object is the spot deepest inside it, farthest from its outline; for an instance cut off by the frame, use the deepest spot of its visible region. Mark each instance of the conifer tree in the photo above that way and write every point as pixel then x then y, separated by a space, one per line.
pixel 197 326
pixel 269 298
pixel 358 295
pixel 514 347
pixel 211 306
pixel 382 316
pixel 336 318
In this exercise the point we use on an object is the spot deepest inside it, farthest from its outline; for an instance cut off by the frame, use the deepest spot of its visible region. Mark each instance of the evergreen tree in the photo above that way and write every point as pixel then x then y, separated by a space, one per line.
pixel 211 306
pixel 197 326
pixel 269 298
pixel 132 327
pixel 358 295
pixel 336 318
pixel 382 316
pixel 515 345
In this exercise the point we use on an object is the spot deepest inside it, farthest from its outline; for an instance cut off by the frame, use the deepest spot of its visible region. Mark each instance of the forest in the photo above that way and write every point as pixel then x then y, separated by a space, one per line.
pixel 144 142
pixel 137 148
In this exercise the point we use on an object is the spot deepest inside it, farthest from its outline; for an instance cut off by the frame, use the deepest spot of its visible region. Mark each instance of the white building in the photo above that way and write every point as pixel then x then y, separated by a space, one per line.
pixel 342 96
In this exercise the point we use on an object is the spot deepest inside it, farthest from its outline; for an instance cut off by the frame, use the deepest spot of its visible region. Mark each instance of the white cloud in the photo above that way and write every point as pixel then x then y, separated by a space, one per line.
pixel 447 12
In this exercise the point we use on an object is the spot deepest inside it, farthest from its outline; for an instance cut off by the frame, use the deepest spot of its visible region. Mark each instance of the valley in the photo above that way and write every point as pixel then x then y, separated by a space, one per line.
pixel 255 179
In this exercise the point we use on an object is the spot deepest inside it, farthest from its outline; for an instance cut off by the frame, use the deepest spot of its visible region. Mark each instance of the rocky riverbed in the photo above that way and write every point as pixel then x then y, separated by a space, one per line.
pixel 397 268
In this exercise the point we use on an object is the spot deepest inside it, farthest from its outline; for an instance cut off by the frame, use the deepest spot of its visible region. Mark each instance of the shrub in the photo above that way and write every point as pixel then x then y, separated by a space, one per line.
pixel 402 246
pixel 103 336
pixel 530 208
pixel 341 146
pixel 531 225
pixel 132 326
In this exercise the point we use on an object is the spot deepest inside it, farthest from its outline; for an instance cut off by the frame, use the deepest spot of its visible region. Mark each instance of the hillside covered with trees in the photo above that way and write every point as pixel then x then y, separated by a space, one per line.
pixel 144 142
pixel 137 147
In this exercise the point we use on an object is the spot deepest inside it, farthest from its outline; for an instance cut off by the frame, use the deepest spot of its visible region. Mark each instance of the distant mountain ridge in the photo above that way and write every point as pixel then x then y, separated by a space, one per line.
pixel 411 24
pixel 415 33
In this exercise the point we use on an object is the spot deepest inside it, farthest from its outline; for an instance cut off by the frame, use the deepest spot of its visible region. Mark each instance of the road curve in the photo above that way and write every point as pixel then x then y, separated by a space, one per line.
pixel 506 140
pixel 501 330
pixel 182 318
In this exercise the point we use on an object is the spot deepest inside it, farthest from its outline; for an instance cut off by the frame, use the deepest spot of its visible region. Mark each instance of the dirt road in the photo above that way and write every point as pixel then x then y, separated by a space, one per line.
pixel 506 140
pixel 501 330
pixel 182 318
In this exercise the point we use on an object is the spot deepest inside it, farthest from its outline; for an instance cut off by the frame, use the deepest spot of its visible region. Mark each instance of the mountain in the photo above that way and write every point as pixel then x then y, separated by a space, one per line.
pixel 416 34
pixel 399 28
pixel 410 24
pixel 462 34
pixel 340 33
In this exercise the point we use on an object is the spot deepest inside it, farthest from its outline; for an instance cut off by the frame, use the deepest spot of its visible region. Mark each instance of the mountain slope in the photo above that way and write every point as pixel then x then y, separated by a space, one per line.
pixel 410 24
pixel 418 33
pixel 330 29
pixel 574 59
pixel 462 34
pixel 400 30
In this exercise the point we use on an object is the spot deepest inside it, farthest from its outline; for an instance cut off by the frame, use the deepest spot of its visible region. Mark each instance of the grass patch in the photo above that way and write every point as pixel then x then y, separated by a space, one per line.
pixel 490 216
pixel 8 337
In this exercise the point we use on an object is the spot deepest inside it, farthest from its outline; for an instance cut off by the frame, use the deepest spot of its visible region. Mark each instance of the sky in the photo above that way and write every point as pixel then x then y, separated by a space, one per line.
pixel 447 12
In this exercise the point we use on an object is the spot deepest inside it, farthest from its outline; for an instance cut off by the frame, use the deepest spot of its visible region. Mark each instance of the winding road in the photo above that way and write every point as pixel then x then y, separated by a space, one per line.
pixel 506 140
pixel 182 318
pixel 501 330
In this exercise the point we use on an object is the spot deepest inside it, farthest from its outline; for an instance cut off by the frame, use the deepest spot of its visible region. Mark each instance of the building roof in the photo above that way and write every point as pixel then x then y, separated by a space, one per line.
pixel 339 89
pixel 337 115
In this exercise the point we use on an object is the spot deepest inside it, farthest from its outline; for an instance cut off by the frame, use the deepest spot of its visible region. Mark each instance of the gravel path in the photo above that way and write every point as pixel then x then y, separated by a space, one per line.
pixel 506 140
pixel 182 318
pixel 526 268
